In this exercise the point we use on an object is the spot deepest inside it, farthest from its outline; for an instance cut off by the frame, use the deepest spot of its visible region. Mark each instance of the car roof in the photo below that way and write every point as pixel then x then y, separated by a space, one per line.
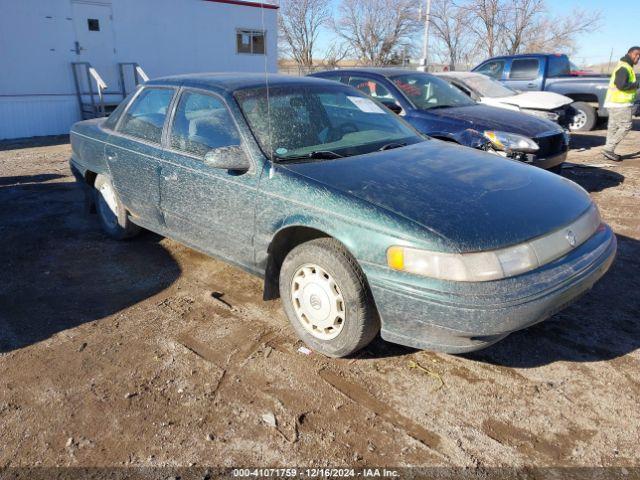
pixel 382 71
pixel 525 55
pixel 460 75
pixel 232 81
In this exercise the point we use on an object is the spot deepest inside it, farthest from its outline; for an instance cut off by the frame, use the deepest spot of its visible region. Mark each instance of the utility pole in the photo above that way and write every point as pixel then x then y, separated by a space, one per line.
pixel 424 61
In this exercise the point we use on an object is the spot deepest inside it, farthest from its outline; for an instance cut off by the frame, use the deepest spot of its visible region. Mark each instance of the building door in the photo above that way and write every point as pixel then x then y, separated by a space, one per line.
pixel 95 41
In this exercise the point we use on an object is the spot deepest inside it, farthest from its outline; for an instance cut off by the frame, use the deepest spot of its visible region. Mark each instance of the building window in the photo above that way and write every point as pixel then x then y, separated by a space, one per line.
pixel 251 41
pixel 94 24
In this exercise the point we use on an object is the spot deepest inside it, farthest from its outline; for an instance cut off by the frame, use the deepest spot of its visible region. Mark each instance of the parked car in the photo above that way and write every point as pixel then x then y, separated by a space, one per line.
pixel 436 108
pixel 354 219
pixel 486 90
pixel 552 73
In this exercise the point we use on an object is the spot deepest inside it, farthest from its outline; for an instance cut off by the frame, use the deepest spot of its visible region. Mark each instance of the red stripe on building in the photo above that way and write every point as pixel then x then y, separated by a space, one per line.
pixel 246 4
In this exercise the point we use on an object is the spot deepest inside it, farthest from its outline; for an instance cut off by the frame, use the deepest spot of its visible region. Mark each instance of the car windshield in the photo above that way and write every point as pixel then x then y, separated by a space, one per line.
pixel 320 121
pixel 426 92
pixel 487 87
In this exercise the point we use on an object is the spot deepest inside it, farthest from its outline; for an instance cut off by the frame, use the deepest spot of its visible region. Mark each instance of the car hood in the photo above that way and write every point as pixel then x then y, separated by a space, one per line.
pixel 474 200
pixel 483 117
pixel 532 100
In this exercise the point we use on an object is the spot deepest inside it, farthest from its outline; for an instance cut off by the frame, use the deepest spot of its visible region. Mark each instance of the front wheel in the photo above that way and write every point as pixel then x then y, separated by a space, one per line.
pixel 327 299
pixel 113 215
pixel 585 117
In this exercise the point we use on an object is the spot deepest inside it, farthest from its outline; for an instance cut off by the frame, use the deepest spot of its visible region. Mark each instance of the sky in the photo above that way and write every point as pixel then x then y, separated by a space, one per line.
pixel 620 29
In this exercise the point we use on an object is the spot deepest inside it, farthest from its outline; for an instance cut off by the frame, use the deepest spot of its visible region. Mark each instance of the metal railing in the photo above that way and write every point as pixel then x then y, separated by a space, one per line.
pixel 138 74
pixel 94 108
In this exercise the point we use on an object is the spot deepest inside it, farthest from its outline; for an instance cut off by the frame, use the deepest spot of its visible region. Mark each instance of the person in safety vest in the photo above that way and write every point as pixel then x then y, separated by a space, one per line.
pixel 620 102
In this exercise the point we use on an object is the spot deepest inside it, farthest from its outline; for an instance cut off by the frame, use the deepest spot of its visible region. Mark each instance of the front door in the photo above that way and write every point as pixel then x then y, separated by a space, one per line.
pixel 95 42
pixel 209 208
pixel 134 154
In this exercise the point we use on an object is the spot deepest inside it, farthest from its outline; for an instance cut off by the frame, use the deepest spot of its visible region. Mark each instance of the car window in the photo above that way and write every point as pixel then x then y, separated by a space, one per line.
pixel 336 78
pixel 426 91
pixel 293 121
pixel 202 123
pixel 145 117
pixel 372 88
pixel 113 118
pixel 559 66
pixel 492 69
pixel 524 69
pixel 488 87
pixel 462 87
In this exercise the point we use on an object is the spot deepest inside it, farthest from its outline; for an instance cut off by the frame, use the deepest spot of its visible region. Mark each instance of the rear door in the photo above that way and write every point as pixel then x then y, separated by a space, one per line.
pixel 209 208
pixel 134 152
pixel 525 74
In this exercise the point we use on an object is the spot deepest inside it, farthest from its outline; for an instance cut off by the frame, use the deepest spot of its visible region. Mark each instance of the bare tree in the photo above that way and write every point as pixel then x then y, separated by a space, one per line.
pixel 488 22
pixel 334 54
pixel 300 24
pixel 520 26
pixel 560 34
pixel 450 28
pixel 377 31
pixel 520 21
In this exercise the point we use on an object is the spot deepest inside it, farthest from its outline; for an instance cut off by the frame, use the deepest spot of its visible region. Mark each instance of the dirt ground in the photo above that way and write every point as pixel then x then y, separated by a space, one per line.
pixel 146 353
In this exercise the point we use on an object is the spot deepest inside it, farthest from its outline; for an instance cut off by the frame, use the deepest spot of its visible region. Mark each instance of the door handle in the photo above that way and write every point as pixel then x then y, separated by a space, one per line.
pixel 111 157
pixel 172 177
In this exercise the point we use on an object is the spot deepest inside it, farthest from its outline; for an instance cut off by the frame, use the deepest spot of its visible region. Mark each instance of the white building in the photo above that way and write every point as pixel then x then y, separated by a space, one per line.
pixel 41 39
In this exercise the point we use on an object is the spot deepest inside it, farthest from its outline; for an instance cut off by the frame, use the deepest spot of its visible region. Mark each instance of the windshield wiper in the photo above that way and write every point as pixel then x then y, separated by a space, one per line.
pixel 392 145
pixel 318 154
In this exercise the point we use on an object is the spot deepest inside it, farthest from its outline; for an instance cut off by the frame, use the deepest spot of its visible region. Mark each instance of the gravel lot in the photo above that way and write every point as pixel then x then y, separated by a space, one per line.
pixel 146 353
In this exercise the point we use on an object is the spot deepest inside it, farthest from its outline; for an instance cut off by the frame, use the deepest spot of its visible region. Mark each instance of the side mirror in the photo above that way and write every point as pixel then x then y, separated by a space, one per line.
pixel 393 106
pixel 227 158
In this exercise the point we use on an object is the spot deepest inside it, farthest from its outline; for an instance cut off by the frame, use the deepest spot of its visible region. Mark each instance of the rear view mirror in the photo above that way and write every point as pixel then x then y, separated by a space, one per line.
pixel 227 158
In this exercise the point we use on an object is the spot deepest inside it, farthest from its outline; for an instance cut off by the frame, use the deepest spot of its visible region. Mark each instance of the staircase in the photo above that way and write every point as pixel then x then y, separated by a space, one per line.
pixel 94 98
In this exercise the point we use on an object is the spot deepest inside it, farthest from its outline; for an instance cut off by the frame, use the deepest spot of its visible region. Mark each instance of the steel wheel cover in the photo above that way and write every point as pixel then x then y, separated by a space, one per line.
pixel 318 302
pixel 579 120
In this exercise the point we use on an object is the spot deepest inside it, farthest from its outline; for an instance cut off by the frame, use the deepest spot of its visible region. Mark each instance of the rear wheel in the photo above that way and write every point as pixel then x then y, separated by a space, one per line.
pixel 112 213
pixel 327 299
pixel 585 117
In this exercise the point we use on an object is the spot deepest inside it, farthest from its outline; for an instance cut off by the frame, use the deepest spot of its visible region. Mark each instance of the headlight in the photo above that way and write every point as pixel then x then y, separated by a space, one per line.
pixel 542 114
pixel 511 142
pixel 495 264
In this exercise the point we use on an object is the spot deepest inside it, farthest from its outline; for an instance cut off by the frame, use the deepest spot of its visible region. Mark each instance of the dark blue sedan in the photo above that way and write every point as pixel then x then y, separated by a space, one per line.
pixel 438 109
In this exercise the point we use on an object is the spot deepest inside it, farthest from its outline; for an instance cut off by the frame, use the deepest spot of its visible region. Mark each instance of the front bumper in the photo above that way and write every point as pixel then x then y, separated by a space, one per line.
pixel 458 317
pixel 547 162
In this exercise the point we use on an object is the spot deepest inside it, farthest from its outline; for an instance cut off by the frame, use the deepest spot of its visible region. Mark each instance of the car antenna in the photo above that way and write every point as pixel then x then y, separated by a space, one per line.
pixel 266 79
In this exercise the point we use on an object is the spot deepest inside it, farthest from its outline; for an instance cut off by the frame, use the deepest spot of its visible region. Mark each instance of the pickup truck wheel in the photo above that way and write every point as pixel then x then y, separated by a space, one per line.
pixel 112 213
pixel 585 117
pixel 326 298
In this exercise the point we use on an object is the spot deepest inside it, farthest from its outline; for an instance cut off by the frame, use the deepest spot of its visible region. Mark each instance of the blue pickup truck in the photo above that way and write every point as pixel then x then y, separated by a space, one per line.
pixel 553 73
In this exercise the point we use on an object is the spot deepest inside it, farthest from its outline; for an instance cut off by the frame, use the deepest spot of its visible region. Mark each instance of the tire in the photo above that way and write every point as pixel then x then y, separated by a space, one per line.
pixel 351 319
pixel 112 214
pixel 585 118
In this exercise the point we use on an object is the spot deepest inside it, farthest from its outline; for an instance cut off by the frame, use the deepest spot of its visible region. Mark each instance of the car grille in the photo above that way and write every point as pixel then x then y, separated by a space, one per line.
pixel 551 145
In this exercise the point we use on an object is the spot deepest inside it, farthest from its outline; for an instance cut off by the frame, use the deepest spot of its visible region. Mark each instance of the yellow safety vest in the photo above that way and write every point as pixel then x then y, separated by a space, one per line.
pixel 614 95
